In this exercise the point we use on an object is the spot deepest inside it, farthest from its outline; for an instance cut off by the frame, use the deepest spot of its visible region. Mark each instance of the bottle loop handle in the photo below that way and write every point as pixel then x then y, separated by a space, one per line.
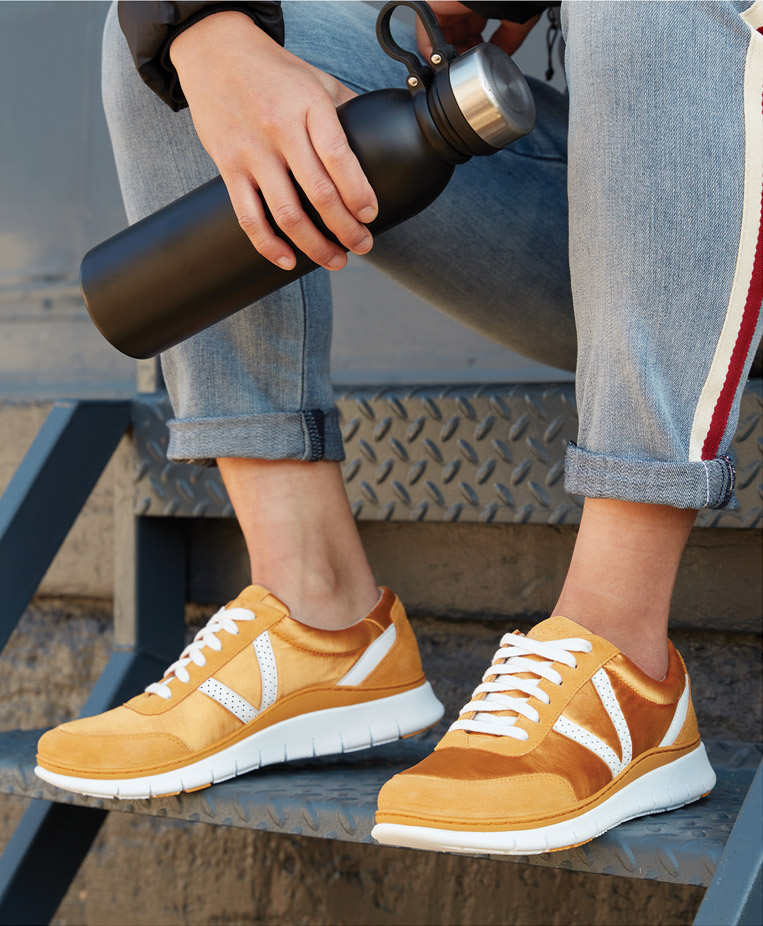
pixel 420 75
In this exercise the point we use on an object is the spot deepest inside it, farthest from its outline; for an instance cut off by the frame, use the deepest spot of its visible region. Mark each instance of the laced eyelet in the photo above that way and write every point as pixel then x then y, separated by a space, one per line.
pixel 503 691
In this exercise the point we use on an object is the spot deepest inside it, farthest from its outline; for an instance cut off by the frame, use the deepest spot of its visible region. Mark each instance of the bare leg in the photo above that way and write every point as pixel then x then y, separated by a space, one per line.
pixel 302 540
pixel 304 546
pixel 622 574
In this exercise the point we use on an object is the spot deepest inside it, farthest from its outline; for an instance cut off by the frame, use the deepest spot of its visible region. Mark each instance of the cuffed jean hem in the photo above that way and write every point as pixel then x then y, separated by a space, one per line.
pixel 308 435
pixel 705 484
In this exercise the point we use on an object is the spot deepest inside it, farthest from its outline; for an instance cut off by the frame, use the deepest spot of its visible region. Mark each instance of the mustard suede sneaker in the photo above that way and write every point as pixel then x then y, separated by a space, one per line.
pixel 255 687
pixel 565 739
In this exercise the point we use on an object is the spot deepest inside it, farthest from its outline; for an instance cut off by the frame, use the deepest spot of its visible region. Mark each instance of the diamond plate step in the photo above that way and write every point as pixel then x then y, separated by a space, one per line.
pixel 335 798
pixel 491 453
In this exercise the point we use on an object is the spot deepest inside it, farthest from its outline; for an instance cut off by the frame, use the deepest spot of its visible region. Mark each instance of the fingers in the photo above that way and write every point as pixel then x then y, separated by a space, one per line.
pixel 333 150
pixel 288 214
pixel 467 32
pixel 302 142
pixel 322 192
pixel 251 217
pixel 460 27
pixel 333 181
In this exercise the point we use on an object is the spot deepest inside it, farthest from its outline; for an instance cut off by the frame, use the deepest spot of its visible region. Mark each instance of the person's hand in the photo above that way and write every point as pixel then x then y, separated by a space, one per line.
pixel 261 112
pixel 463 28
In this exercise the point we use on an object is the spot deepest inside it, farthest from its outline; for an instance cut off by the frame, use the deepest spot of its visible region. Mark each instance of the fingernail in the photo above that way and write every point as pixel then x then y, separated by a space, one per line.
pixel 285 263
pixel 367 214
pixel 336 263
pixel 364 246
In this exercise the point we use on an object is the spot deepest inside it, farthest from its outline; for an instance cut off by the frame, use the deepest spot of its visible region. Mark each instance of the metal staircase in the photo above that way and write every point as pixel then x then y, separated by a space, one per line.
pixel 485 454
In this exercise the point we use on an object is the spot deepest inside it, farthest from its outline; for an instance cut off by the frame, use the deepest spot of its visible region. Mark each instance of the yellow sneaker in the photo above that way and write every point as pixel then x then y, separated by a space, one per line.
pixel 565 739
pixel 254 688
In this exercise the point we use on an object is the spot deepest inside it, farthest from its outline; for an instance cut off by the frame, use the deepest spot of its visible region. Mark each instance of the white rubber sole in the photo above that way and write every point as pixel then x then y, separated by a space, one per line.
pixel 319 733
pixel 680 782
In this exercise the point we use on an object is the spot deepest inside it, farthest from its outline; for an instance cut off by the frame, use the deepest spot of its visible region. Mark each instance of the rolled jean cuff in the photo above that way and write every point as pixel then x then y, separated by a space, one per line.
pixel 705 484
pixel 307 435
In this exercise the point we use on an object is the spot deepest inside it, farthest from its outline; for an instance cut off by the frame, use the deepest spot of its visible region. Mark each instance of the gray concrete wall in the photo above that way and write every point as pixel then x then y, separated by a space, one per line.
pixel 58 197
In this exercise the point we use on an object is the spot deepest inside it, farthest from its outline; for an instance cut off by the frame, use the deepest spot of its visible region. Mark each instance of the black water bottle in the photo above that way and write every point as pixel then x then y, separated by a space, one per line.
pixel 190 265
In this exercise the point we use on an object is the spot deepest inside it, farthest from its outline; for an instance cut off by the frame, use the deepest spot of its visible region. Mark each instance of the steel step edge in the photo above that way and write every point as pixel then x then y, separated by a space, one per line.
pixel 335 798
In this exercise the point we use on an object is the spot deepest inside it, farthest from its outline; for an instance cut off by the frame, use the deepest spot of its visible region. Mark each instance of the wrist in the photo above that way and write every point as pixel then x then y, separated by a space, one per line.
pixel 215 33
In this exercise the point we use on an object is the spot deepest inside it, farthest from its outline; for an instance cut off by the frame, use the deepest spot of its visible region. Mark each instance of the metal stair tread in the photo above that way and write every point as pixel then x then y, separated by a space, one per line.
pixel 481 452
pixel 335 798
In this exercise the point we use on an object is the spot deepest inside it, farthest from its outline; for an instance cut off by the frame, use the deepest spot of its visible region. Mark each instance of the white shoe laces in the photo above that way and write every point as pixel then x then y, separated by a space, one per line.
pixel 222 620
pixel 511 660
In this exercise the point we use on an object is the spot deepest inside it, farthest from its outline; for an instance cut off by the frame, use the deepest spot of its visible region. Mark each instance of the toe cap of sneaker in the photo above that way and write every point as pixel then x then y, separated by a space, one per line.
pixel 452 787
pixel 74 749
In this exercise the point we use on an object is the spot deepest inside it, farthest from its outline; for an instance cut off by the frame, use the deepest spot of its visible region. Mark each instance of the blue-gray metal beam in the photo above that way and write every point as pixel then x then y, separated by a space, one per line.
pixel 42 858
pixel 52 840
pixel 735 895
pixel 47 493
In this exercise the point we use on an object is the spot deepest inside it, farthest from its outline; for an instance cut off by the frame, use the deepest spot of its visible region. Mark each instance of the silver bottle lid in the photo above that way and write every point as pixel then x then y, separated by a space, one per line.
pixel 492 95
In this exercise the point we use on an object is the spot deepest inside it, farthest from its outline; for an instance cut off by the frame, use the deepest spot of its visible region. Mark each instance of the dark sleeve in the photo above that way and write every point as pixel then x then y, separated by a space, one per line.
pixel 517 12
pixel 150 27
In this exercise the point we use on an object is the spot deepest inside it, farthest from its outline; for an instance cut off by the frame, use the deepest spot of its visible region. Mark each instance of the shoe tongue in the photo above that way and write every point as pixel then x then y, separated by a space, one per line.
pixel 557 628
pixel 254 595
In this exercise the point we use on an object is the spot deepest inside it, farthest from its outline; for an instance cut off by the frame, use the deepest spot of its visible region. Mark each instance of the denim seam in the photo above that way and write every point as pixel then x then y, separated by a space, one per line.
pixel 732 480
pixel 707 484
pixel 307 451
pixel 305 429
pixel 317 442
pixel 304 343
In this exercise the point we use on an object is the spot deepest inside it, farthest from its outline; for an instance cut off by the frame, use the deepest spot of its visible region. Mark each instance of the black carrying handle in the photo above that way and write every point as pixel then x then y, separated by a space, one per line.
pixel 420 75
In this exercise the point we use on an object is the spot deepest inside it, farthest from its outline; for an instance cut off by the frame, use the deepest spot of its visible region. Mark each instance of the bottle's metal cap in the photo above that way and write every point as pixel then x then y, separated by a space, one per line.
pixel 492 95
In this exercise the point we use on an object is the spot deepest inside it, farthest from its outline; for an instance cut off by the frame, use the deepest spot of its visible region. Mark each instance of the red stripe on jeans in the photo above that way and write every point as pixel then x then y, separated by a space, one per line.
pixel 722 409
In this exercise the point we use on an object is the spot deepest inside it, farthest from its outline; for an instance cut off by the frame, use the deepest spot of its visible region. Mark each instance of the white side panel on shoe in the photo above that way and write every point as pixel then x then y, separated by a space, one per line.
pixel 266 660
pixel 608 697
pixel 580 735
pixel 229 699
pixel 237 705
pixel 371 658
pixel 679 718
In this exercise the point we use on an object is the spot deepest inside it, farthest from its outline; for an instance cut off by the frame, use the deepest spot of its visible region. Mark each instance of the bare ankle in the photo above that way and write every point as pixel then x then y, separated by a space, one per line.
pixel 622 575
pixel 302 539
pixel 648 650
pixel 324 599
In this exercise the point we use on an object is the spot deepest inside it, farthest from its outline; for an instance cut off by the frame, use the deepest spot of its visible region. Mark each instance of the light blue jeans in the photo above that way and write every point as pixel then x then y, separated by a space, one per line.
pixel 617 239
